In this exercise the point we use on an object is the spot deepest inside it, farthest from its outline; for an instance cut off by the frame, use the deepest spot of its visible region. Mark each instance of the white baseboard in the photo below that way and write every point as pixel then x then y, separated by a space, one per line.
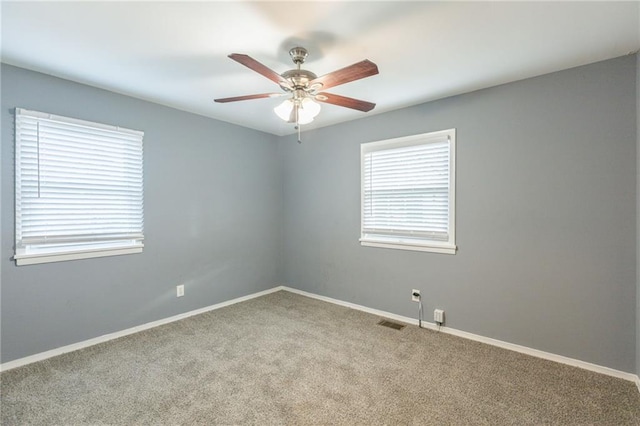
pixel 518 348
pixel 506 345
pixel 105 338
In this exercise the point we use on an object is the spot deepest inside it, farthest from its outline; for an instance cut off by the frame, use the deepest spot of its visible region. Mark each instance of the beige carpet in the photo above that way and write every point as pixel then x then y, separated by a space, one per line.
pixel 288 359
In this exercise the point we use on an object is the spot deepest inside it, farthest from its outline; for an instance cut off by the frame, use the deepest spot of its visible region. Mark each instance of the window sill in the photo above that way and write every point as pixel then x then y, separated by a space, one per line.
pixel 444 249
pixel 33 259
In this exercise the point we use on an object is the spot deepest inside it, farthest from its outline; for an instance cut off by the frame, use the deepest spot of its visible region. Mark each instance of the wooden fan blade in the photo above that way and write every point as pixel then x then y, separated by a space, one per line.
pixel 353 72
pixel 256 66
pixel 248 97
pixel 344 101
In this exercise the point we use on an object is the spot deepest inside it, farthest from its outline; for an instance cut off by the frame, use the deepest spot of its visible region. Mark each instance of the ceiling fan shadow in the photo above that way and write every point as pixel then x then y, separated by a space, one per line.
pixel 316 43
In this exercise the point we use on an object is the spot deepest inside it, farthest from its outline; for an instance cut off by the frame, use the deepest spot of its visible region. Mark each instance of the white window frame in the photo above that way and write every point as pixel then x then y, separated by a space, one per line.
pixel 408 241
pixel 48 247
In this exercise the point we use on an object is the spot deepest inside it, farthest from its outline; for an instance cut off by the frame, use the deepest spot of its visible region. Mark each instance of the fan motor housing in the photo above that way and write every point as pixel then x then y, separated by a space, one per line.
pixel 299 78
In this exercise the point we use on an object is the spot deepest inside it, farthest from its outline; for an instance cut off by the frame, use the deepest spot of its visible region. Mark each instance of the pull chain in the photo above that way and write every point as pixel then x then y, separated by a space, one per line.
pixel 297 123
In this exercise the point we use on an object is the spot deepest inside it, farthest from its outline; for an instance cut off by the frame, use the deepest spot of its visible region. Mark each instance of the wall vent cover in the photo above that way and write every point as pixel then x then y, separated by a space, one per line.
pixel 391 324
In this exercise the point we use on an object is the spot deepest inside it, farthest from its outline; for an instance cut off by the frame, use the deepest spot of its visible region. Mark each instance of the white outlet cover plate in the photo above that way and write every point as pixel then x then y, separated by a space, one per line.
pixel 438 315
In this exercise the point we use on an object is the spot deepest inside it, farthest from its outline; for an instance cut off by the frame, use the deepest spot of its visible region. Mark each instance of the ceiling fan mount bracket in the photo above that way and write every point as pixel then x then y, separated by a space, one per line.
pixel 298 55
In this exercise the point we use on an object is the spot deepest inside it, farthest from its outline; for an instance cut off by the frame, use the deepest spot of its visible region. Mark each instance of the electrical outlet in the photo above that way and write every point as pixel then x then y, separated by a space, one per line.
pixel 180 290
pixel 438 316
pixel 415 295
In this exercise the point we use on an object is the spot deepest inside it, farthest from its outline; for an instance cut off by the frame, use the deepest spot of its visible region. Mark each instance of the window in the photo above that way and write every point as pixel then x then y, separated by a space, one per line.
pixel 79 189
pixel 408 192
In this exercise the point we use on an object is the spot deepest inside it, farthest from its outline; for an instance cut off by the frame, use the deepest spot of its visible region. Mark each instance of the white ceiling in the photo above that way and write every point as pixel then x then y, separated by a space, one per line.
pixel 175 53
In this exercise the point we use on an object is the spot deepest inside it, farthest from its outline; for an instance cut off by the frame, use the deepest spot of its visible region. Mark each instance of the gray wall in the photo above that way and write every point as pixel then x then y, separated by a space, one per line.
pixel 638 213
pixel 212 221
pixel 546 225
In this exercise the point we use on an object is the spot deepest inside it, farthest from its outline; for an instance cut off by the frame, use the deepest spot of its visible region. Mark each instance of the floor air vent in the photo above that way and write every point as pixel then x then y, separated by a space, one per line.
pixel 390 324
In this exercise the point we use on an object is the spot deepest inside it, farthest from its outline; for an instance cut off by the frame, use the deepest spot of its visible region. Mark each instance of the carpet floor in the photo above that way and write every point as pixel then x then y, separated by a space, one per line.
pixel 288 359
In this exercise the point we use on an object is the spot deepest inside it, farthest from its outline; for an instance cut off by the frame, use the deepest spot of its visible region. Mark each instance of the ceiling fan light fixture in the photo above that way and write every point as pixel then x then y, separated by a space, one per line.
pixel 309 107
pixel 303 118
pixel 306 108
pixel 284 109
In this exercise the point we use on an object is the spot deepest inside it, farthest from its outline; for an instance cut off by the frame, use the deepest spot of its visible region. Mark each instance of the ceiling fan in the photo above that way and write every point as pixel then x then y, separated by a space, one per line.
pixel 305 87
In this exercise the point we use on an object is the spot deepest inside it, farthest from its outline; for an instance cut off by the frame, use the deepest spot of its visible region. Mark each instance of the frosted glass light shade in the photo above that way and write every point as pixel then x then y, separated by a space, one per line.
pixel 307 110
pixel 284 109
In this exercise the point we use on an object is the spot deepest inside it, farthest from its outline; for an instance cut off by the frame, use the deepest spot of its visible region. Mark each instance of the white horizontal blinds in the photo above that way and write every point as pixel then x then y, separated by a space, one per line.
pixel 77 182
pixel 406 191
